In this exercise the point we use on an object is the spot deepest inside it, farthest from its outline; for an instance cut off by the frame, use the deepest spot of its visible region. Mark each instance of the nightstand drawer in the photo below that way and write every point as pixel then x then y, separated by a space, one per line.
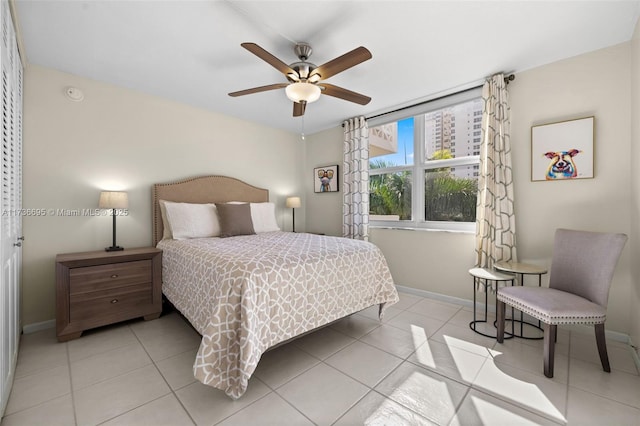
pixel 104 303
pixel 102 277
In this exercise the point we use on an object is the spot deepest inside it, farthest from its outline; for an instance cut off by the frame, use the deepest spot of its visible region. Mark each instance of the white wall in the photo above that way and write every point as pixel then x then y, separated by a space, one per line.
pixel 597 84
pixel 323 210
pixel 125 140
pixel 634 332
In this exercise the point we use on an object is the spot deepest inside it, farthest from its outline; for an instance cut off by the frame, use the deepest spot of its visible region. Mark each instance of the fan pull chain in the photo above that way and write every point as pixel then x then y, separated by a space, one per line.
pixel 302 131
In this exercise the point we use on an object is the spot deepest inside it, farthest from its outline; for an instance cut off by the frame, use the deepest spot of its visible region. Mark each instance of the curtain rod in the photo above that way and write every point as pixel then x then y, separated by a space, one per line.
pixel 507 79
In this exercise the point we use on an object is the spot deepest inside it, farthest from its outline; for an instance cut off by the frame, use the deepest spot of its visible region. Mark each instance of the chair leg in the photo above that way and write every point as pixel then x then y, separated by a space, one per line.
pixel 602 347
pixel 549 348
pixel 555 334
pixel 500 307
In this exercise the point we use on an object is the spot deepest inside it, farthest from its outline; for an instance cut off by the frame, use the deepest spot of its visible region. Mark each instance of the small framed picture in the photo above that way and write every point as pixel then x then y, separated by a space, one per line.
pixel 562 150
pixel 325 179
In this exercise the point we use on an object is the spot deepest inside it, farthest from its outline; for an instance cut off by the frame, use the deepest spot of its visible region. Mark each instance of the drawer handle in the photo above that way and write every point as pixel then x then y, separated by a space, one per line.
pixel 114 301
pixel 114 276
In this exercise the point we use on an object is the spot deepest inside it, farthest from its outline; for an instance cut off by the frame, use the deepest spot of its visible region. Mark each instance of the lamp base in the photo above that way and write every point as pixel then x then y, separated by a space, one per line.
pixel 114 248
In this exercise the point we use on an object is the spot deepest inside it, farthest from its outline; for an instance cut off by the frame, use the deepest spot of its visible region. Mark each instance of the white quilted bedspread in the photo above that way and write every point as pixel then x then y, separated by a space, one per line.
pixel 247 293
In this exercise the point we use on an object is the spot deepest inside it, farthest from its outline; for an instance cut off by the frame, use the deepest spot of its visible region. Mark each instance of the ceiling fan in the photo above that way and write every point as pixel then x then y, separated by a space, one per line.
pixel 305 78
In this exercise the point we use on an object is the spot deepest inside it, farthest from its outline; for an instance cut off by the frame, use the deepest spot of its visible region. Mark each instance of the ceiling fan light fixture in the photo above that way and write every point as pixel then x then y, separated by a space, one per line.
pixel 298 92
pixel 314 78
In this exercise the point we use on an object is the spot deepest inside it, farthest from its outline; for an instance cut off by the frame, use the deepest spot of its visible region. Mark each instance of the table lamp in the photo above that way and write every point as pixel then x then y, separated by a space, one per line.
pixel 113 200
pixel 293 203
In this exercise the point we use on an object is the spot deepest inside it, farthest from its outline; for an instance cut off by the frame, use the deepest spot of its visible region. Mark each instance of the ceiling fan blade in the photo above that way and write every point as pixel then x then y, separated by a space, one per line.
pixel 347 95
pixel 298 108
pixel 268 58
pixel 341 63
pixel 258 89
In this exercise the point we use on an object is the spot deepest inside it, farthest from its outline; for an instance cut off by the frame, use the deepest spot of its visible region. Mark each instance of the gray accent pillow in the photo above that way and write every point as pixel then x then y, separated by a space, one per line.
pixel 235 219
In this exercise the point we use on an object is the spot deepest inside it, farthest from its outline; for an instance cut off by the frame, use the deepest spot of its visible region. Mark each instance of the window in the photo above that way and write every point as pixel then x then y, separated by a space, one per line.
pixel 421 175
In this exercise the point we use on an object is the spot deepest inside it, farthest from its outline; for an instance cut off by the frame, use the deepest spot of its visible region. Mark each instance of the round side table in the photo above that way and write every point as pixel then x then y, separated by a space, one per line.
pixel 520 270
pixel 484 277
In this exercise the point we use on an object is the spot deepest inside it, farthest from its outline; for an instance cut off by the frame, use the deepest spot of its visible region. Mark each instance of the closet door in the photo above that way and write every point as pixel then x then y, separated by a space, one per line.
pixel 10 202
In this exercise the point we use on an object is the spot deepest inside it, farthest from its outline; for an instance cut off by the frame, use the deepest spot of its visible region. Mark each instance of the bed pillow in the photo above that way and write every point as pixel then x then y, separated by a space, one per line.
pixel 166 226
pixel 263 216
pixel 188 220
pixel 235 219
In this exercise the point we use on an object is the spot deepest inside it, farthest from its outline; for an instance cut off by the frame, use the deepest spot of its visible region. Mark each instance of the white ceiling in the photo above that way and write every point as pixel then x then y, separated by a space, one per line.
pixel 189 51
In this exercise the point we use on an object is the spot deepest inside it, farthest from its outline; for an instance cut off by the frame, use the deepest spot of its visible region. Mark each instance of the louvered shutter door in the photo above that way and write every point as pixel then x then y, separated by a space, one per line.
pixel 10 201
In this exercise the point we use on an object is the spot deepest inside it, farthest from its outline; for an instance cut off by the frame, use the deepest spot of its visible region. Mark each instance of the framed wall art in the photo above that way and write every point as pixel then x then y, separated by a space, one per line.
pixel 325 179
pixel 563 150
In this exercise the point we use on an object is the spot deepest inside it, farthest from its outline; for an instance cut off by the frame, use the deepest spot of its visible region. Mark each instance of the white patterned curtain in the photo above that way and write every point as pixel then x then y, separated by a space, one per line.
pixel 495 219
pixel 355 189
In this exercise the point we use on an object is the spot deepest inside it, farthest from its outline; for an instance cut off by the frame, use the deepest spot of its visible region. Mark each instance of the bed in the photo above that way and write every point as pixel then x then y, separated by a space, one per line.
pixel 249 293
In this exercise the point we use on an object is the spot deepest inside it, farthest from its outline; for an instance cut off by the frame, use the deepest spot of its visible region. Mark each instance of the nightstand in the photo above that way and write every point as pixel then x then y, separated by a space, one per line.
pixel 99 288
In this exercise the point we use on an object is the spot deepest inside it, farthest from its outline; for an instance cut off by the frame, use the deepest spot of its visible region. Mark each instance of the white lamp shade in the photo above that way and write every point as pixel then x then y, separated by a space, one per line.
pixel 303 92
pixel 113 200
pixel 293 202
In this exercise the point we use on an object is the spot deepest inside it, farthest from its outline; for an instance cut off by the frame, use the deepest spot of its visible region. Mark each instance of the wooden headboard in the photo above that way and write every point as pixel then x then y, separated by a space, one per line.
pixel 202 189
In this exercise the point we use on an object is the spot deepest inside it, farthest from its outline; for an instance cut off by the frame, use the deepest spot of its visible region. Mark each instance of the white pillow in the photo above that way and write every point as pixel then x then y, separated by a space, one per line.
pixel 263 216
pixel 188 220
pixel 166 226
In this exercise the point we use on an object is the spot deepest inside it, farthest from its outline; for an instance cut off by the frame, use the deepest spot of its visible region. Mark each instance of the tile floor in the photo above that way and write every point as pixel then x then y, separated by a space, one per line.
pixel 421 365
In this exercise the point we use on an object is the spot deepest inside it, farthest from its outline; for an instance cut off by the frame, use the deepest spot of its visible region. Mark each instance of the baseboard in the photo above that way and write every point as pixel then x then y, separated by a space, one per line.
pixel 584 329
pixel 38 326
pixel 588 329
pixel 634 353
pixel 435 296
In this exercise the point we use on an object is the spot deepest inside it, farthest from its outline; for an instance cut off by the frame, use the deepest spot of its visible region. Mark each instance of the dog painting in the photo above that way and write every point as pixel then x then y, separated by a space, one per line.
pixel 563 151
pixel 562 165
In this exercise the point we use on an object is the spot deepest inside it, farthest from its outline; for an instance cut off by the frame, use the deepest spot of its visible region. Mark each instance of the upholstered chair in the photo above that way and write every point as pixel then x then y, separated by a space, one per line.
pixel 581 271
